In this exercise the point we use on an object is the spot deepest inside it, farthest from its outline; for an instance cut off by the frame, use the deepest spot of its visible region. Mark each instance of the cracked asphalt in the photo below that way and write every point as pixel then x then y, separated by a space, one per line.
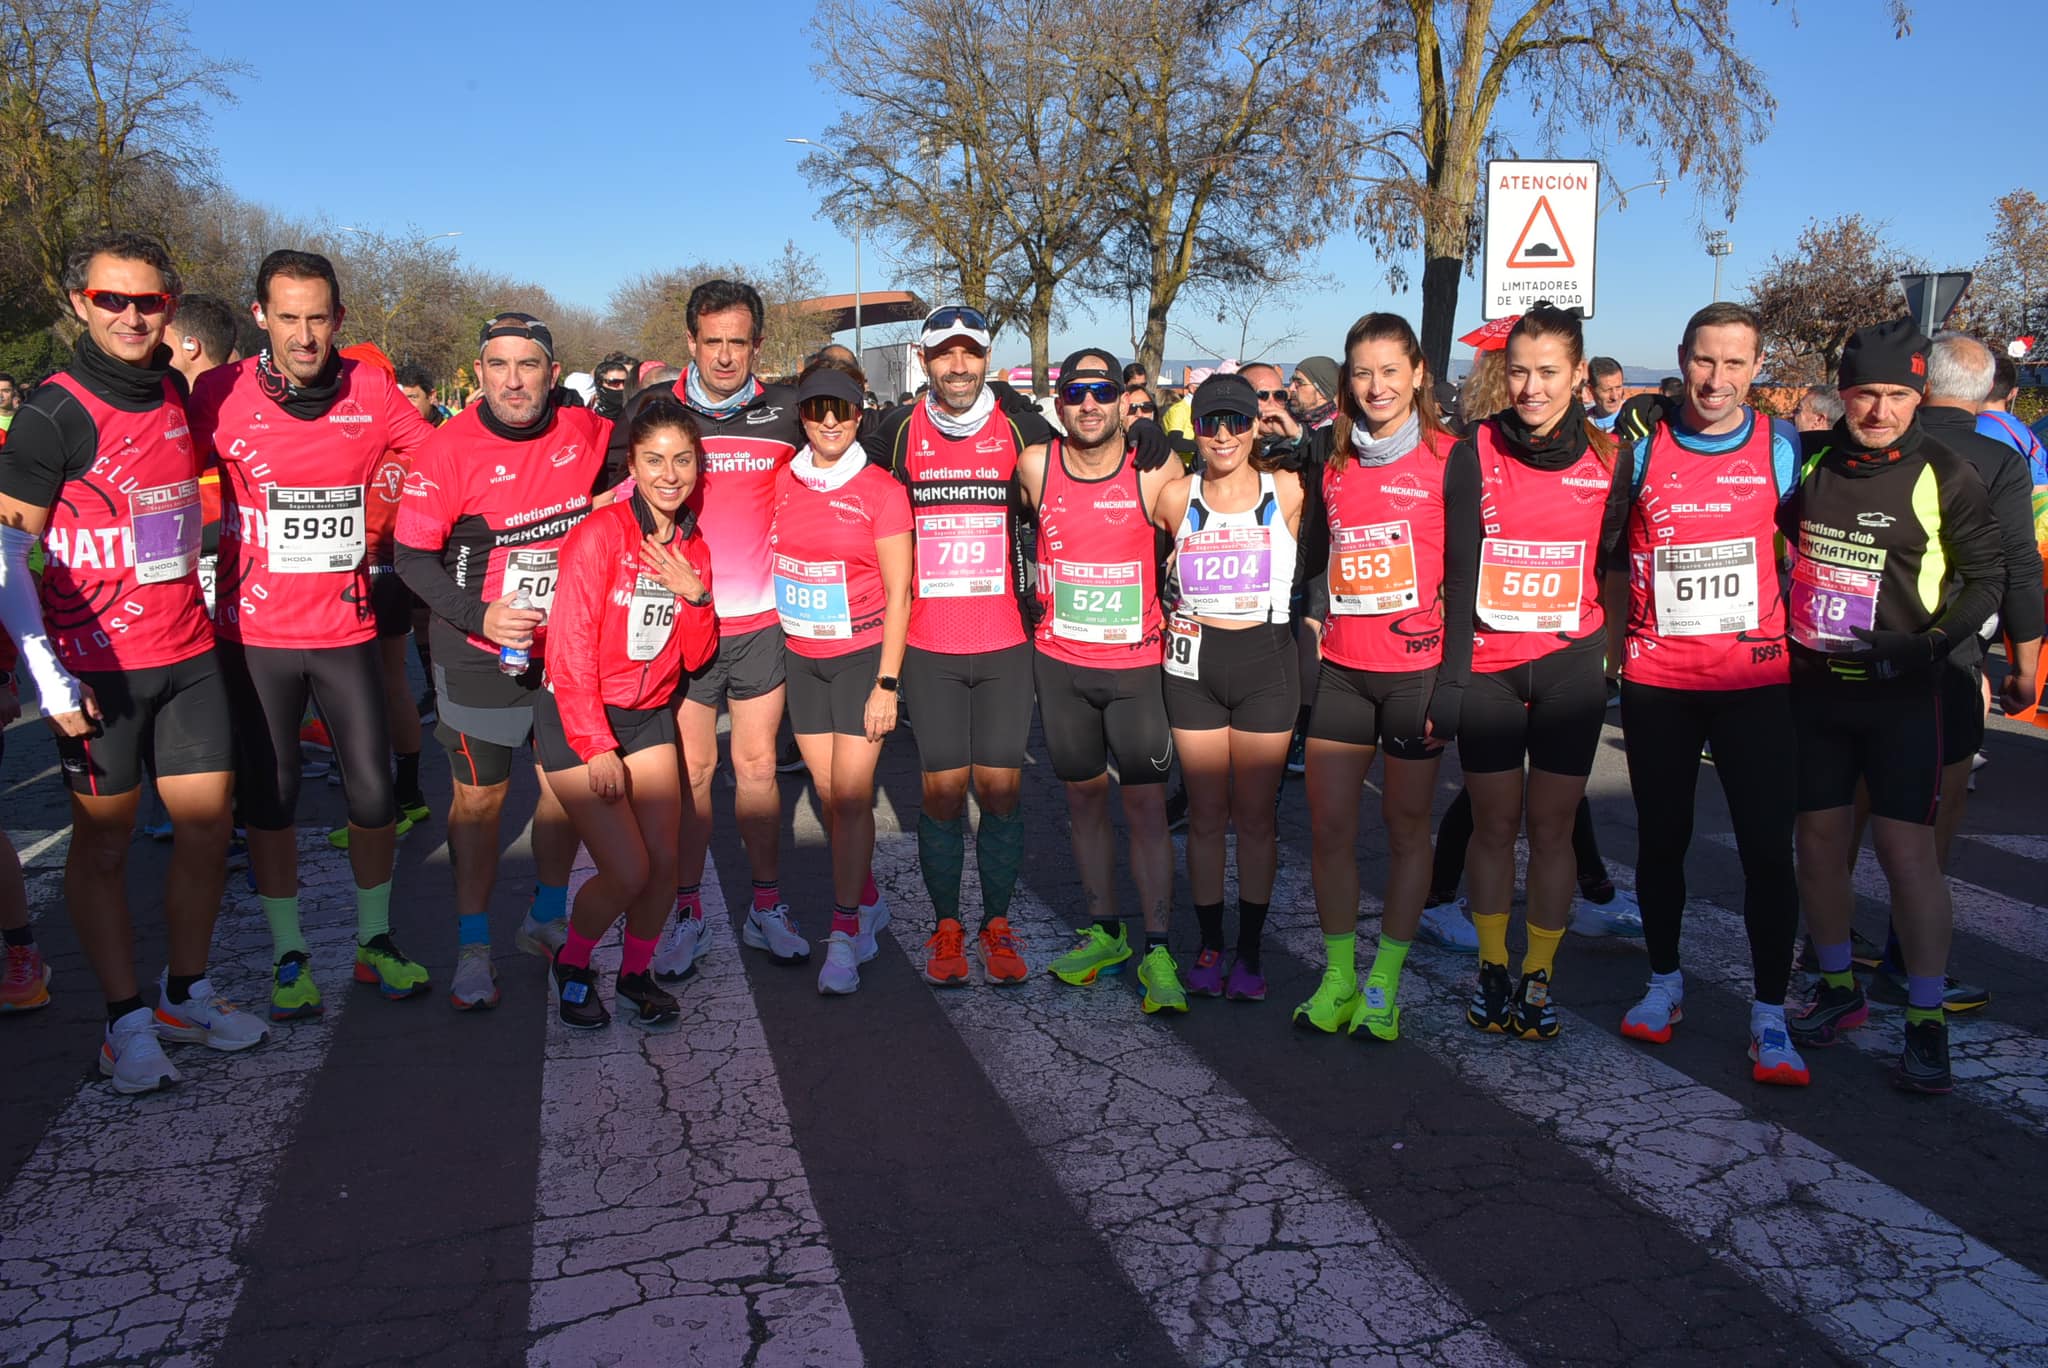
pixel 1039 1175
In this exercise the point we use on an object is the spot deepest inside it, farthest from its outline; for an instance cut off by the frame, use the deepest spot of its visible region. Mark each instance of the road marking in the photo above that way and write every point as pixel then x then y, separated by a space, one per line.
pixel 119 1235
pixel 1244 1250
pixel 20 784
pixel 2028 847
pixel 29 854
pixel 672 1207
pixel 1875 1271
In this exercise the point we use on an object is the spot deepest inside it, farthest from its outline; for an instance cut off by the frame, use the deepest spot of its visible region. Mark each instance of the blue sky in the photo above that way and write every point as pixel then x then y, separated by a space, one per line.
pixel 541 132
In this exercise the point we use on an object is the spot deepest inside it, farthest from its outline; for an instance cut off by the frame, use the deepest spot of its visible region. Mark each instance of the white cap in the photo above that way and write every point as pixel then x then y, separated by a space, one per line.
pixel 955 320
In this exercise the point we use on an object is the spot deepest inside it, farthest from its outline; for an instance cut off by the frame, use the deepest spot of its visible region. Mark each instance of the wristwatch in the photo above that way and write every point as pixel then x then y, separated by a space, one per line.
pixel 886 682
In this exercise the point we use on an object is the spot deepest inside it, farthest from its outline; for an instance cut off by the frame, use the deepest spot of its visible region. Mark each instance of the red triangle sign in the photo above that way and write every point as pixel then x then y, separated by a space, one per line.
pixel 1549 251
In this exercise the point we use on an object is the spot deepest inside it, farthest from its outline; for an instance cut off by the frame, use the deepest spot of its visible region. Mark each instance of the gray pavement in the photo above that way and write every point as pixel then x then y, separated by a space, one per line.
pixel 1030 1176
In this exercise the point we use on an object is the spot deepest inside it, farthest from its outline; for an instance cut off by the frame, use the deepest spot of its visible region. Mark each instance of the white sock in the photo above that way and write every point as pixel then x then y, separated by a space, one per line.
pixel 1672 983
pixel 1763 1014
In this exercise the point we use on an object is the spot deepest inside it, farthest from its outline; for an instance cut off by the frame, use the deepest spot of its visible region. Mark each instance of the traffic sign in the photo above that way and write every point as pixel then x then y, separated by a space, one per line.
pixel 1540 220
pixel 1932 296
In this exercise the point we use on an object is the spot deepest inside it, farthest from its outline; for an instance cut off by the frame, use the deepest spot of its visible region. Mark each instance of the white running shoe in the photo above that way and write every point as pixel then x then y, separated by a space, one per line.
pixel 203 1019
pixel 840 973
pixel 677 957
pixel 1771 1054
pixel 1662 1007
pixel 774 932
pixel 475 985
pixel 873 917
pixel 133 1057
pixel 1619 917
pixel 542 938
pixel 1449 925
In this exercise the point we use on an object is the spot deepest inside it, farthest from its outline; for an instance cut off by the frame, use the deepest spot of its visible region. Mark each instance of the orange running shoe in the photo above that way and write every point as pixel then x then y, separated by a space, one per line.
pixel 1002 954
pixel 946 965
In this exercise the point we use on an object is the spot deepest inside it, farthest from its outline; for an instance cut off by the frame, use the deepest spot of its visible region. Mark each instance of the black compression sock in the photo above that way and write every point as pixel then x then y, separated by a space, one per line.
pixel 1110 926
pixel 19 935
pixel 1251 931
pixel 406 784
pixel 117 1010
pixel 1210 915
pixel 178 987
pixel 1153 942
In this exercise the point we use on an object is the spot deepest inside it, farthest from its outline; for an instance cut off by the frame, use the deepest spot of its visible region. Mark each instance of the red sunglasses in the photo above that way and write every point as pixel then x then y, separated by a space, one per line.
pixel 114 302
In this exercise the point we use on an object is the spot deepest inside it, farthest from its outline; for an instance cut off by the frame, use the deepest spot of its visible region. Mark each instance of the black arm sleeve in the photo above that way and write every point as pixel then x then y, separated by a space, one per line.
pixel 881 443
pixel 426 576
pixel 1462 533
pixel 1969 541
pixel 1612 551
pixel 47 446
pixel 2010 492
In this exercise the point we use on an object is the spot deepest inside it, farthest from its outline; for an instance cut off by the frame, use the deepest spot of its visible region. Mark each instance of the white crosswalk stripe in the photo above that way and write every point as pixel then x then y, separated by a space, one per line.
pixel 671 1193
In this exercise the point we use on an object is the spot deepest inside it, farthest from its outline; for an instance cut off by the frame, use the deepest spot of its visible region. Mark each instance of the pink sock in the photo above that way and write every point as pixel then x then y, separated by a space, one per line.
pixel 639 954
pixel 689 902
pixel 846 919
pixel 869 894
pixel 576 950
pixel 766 895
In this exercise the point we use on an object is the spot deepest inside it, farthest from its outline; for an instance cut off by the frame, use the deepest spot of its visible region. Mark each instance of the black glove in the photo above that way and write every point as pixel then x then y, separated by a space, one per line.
pixel 1444 707
pixel 1908 649
pixel 1150 448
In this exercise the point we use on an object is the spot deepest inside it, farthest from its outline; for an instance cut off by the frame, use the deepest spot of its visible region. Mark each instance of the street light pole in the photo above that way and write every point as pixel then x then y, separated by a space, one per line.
pixel 1718 247
pixel 1620 197
pixel 806 142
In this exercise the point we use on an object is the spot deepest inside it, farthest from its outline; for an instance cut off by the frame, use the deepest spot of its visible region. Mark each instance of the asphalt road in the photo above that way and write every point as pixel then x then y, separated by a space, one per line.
pixel 1035 1176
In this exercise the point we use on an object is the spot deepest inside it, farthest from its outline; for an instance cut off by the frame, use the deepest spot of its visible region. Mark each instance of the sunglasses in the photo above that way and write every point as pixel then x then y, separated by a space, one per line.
pixel 114 302
pixel 1144 408
pixel 1101 391
pixel 1272 396
pixel 953 316
pixel 1236 424
pixel 827 408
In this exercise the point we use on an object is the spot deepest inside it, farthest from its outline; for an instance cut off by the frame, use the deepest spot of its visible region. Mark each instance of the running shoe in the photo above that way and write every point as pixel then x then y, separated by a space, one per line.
pixel 1653 1017
pixel 204 1019
pixel 579 1004
pixel 874 917
pixel 1492 1004
pixel 676 960
pixel 338 838
pixel 1832 1011
pixel 1448 926
pixel 1160 978
pixel 25 985
pixel 1616 915
pixel 293 994
pixel 1245 983
pixel 1773 1060
pixel 1889 985
pixel 1330 1008
pixel 1535 1016
pixel 945 962
pixel 313 736
pixel 1002 954
pixel 1923 1064
pixel 541 938
pixel 475 985
pixel 1979 761
pixel 414 814
pixel 381 962
pixel 1377 1012
pixel 133 1057
pixel 772 930
pixel 1177 809
pixel 1297 754
pixel 840 973
pixel 1098 953
pixel 654 1006
pixel 1206 978
pixel 158 831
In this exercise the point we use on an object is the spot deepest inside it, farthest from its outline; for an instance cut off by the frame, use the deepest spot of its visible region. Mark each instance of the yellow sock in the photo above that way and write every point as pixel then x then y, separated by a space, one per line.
pixel 1493 937
pixel 1542 952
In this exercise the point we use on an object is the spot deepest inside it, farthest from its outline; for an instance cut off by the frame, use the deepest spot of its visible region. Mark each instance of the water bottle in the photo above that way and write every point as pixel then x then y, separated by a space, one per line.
pixel 513 660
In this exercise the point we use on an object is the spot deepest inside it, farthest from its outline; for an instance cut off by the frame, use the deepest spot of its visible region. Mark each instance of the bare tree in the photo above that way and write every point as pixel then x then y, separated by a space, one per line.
pixel 651 309
pixel 1668 78
pixel 1245 305
pixel 1841 276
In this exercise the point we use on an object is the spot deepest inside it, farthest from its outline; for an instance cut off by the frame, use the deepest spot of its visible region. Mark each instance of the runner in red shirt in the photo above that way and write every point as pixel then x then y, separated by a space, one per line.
pixel 303 437
pixel 632 615
pixel 489 500
pixel 840 549
pixel 100 466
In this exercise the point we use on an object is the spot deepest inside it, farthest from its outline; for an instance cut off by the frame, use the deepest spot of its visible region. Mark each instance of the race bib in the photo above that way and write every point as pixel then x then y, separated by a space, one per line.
pixel 209 571
pixel 313 531
pixel 1829 602
pixel 533 574
pixel 164 524
pixel 1226 570
pixel 1098 603
pixel 650 618
pixel 810 598
pixel 1705 589
pixel 1183 648
pixel 1530 586
pixel 1372 570
pixel 960 555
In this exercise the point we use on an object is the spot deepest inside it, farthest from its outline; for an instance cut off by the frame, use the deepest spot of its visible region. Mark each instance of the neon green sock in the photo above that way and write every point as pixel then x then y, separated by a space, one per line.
pixel 285 936
pixel 1387 963
pixel 373 912
pixel 1340 953
pixel 1845 979
pixel 1920 1016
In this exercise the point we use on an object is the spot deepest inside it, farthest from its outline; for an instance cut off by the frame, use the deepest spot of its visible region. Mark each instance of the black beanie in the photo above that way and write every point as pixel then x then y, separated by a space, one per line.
pixel 1892 353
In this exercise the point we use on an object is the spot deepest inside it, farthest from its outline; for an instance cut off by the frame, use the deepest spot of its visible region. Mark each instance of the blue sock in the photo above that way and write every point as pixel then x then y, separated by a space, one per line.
pixel 550 902
pixel 1834 959
pixel 473 930
pixel 1925 991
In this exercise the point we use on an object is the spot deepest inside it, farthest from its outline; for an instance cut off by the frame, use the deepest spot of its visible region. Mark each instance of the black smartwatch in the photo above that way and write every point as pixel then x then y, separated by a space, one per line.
pixel 886 682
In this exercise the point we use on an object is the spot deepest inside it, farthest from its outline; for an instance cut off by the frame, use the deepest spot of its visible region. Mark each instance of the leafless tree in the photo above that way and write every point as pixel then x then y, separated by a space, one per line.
pixel 1841 276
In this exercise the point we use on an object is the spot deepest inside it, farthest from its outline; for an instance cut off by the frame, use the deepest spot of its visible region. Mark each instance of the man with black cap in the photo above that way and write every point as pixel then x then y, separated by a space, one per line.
pixel 1895 559
pixel 489 499
pixel 1100 639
